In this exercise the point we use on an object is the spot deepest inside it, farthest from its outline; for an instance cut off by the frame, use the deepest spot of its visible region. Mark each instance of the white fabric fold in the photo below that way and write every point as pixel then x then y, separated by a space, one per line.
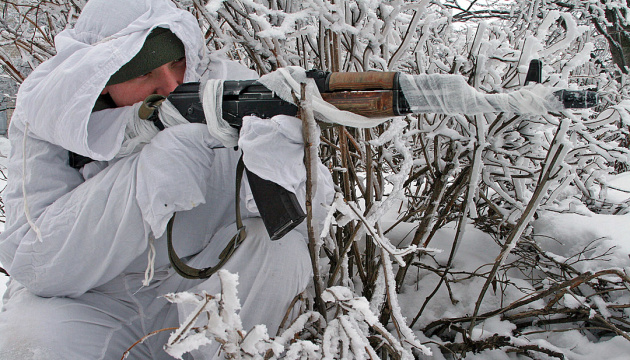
pixel 212 101
pixel 450 94
pixel 274 149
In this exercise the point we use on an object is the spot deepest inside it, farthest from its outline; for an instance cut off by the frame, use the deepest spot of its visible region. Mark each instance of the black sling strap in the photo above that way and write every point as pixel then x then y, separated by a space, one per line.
pixel 190 272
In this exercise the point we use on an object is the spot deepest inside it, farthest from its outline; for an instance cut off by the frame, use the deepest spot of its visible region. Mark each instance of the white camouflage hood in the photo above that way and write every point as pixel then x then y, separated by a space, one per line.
pixel 56 100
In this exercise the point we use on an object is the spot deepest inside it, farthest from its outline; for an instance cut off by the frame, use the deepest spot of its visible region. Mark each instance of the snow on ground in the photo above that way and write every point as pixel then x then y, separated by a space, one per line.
pixel 564 235
pixel 603 238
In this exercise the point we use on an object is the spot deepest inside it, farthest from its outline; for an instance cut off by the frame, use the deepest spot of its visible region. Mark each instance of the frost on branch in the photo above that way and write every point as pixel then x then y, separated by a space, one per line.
pixel 355 330
pixel 354 333
pixel 215 318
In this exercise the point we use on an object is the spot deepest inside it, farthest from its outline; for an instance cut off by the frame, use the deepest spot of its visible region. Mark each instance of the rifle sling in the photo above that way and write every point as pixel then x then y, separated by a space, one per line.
pixel 190 272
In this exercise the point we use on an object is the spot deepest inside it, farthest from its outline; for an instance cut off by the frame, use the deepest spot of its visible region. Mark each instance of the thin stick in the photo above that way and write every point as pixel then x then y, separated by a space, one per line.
pixel 297 298
pixel 555 156
pixel 126 353
pixel 308 119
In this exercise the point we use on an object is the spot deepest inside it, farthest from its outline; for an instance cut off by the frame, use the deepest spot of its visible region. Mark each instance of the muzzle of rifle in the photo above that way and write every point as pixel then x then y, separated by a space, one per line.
pixel 577 99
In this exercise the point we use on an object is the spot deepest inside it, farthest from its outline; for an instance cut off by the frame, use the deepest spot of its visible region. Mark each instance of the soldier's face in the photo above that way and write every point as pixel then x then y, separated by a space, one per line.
pixel 162 80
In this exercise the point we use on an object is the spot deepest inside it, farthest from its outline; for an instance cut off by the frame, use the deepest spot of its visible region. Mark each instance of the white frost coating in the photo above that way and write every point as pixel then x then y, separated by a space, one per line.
pixel 358 342
pixel 218 318
pixel 214 5
pixel 573 301
pixel 337 293
pixel 581 58
pixel 188 343
pixel 602 306
pixel 572 32
pixel 378 295
pixel 330 347
pixel 256 336
pixel 303 350
pixel 289 334
pixel 450 94
pixel 347 214
pixel 230 304
pixel 330 216
pixel 477 167
pixel 382 241
pixel 543 28
pixel 493 326
pixel 349 330
pixel 178 343
pixel 404 330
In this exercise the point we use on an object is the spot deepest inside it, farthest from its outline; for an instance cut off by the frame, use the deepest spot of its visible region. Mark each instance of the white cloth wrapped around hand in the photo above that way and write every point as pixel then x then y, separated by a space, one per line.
pixel 274 149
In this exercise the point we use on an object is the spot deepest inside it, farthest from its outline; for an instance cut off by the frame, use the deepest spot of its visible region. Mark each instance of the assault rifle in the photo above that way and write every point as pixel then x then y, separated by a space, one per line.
pixel 371 94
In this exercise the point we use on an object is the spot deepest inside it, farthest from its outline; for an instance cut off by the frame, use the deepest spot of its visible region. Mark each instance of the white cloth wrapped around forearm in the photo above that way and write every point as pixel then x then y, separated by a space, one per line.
pixel 450 94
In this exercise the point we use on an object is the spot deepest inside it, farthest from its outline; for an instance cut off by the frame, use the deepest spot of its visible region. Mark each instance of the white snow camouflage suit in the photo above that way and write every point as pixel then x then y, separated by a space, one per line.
pixel 76 243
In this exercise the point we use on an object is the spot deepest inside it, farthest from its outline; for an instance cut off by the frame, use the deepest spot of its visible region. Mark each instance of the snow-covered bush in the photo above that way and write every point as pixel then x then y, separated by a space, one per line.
pixel 469 233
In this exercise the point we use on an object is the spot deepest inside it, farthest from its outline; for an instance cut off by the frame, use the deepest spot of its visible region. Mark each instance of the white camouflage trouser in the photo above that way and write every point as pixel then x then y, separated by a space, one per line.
pixel 106 321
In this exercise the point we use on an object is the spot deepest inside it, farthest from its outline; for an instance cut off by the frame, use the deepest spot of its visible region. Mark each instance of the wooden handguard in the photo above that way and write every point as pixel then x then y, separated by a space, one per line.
pixel 356 81
pixel 371 104
pixel 370 94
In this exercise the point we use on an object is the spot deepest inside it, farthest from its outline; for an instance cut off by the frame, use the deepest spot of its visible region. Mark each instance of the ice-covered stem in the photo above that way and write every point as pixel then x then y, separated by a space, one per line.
pixel 555 157
pixel 468 209
pixel 411 29
pixel 463 222
pixel 347 334
pixel 344 150
pixel 371 196
pixel 281 342
pixel 187 325
pixel 534 311
pixel 310 154
pixel 421 237
pixel 221 322
pixel 383 243
pixel 394 311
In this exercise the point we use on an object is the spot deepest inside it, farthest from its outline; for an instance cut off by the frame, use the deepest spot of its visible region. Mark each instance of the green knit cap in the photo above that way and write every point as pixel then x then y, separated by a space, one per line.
pixel 160 47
